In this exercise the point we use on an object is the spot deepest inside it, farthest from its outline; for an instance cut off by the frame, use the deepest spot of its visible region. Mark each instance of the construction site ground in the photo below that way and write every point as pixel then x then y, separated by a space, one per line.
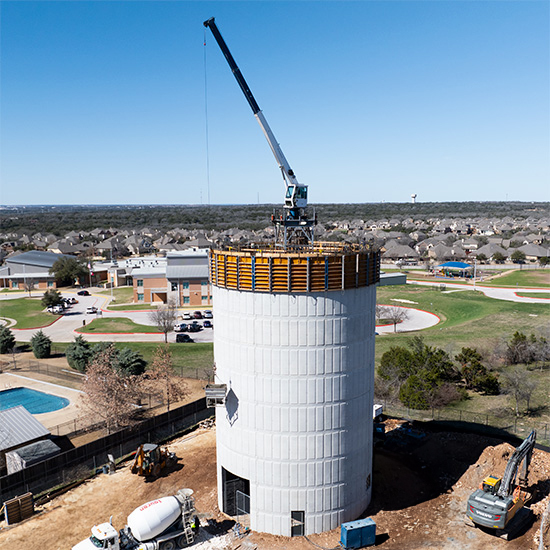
pixel 422 479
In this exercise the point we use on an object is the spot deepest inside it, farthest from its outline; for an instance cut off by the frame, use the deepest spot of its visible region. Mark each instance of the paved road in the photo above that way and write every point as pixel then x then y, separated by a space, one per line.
pixel 498 293
pixel 64 329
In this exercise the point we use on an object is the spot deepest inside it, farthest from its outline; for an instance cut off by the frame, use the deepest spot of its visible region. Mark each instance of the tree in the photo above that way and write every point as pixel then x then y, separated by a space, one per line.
pixel 517 256
pixel 395 315
pixel 29 285
pixel 164 318
pixel 108 395
pixel 522 348
pixel 7 339
pixel 129 362
pixel 420 374
pixel 498 257
pixel 475 374
pixel 518 384
pixel 78 354
pixel 68 270
pixel 481 257
pixel 41 345
pixel 51 298
pixel 160 378
pixel 544 261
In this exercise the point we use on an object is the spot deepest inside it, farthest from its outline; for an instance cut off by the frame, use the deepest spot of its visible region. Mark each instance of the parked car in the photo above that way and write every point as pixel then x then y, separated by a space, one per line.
pixel 83 293
pixel 197 314
pixel 182 338
pixel 58 310
pixel 207 314
pixel 208 324
pixel 180 327
pixel 73 300
pixel 91 309
pixel 186 316
pixel 194 327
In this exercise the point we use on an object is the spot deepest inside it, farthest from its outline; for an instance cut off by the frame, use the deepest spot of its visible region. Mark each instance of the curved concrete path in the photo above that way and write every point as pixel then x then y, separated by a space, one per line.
pixel 498 293
pixel 417 319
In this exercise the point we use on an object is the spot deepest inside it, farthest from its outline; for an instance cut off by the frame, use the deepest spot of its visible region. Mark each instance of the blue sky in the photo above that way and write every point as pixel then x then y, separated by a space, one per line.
pixel 103 102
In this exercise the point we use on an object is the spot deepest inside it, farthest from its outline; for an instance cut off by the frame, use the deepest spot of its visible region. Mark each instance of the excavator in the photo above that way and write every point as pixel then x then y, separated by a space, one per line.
pixel 294 225
pixel 151 459
pixel 499 503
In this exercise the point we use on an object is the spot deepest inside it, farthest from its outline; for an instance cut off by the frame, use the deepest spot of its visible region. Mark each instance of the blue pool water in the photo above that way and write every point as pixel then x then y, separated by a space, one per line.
pixel 36 402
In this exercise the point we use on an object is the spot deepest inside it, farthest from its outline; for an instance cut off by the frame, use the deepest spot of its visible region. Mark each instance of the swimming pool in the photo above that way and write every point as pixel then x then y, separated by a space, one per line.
pixel 36 402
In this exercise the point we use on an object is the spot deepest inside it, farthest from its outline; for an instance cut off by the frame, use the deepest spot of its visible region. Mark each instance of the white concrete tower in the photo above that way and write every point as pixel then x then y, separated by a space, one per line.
pixel 294 345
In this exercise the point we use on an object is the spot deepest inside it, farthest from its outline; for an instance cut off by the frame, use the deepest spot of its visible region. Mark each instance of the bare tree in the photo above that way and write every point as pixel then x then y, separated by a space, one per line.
pixel 160 378
pixel 108 395
pixel 29 285
pixel 395 315
pixel 164 318
pixel 520 386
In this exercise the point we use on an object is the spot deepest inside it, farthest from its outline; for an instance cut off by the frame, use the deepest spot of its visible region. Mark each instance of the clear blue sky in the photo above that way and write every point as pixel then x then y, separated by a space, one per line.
pixel 103 102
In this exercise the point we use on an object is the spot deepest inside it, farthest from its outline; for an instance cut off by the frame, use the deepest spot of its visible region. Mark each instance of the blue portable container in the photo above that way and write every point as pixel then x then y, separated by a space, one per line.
pixel 357 534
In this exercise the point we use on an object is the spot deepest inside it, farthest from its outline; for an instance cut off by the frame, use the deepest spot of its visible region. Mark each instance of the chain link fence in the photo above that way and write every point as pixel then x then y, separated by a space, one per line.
pixel 480 422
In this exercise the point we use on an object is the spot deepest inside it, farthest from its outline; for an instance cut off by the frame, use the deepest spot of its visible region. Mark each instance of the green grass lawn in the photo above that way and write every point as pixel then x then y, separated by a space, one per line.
pixel 534 294
pixel 468 318
pixel 539 278
pixel 121 295
pixel 8 290
pixel 132 307
pixel 28 312
pixel 190 360
pixel 121 325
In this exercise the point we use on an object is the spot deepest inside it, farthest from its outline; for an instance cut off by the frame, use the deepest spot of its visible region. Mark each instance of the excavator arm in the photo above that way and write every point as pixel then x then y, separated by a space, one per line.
pixel 522 454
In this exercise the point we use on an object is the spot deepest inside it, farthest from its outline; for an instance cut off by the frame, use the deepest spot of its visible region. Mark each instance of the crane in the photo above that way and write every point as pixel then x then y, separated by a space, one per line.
pixel 293 225
pixel 499 500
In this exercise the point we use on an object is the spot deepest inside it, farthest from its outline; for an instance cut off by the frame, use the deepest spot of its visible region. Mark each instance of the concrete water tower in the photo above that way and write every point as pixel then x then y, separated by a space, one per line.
pixel 413 197
pixel 294 353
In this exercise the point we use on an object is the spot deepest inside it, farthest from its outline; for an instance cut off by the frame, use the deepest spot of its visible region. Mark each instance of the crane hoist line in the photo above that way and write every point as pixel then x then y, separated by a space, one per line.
pixel 295 223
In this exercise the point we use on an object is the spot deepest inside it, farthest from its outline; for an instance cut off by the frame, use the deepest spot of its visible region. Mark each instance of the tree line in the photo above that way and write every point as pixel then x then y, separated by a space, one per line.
pixel 61 219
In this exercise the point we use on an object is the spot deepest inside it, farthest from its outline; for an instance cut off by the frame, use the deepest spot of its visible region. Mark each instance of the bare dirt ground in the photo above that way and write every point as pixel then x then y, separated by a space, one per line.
pixel 422 480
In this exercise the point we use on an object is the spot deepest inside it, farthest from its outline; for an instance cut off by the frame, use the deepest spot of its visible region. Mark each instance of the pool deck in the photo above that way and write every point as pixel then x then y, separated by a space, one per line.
pixel 48 420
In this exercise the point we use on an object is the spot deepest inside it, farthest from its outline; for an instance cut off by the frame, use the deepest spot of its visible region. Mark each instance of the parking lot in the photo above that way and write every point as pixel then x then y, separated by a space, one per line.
pixel 66 327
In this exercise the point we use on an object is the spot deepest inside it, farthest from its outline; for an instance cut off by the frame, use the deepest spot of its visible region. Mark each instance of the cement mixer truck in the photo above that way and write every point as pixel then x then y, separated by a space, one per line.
pixel 163 524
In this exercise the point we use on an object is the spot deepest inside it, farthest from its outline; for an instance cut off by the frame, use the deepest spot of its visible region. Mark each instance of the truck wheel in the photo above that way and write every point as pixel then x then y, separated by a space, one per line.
pixel 156 471
pixel 168 545
pixel 182 541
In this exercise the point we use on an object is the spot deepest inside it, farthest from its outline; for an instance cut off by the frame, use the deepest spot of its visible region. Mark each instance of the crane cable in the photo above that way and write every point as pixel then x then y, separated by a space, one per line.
pixel 206 122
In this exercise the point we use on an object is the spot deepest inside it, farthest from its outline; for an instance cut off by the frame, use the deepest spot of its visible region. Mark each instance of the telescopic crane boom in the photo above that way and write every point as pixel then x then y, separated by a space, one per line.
pixel 294 225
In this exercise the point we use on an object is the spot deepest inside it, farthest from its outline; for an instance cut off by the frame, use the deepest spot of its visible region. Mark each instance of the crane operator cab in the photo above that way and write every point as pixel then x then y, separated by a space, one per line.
pixel 296 196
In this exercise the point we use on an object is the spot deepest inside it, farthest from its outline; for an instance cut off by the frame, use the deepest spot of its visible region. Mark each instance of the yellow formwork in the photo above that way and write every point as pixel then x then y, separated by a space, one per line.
pixel 323 267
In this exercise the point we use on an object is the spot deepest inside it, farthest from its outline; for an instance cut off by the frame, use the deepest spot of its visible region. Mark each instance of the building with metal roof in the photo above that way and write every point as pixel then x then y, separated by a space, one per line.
pixel 33 265
pixel 18 427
